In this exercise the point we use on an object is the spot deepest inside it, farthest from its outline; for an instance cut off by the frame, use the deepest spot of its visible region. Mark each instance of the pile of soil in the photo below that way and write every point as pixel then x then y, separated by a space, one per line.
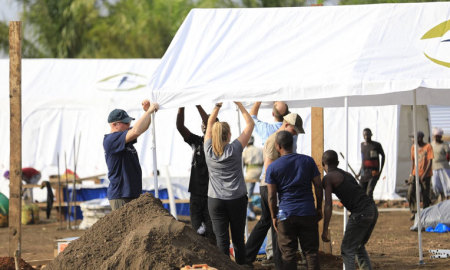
pixel 7 263
pixel 140 235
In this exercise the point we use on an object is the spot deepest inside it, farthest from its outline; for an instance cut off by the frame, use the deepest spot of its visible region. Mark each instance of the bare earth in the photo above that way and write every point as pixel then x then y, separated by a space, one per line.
pixel 392 245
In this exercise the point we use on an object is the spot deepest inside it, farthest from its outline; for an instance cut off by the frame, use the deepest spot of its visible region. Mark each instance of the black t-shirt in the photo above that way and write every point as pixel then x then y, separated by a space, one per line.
pixel 351 194
pixel 198 182
pixel 370 159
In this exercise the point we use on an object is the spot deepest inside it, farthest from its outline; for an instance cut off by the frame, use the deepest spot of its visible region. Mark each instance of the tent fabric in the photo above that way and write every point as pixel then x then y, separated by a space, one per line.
pixel 312 56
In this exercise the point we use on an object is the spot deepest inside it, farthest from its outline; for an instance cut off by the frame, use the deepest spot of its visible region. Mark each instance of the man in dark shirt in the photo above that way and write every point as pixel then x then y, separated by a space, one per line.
pixel 124 170
pixel 363 210
pixel 370 166
pixel 199 179
pixel 296 218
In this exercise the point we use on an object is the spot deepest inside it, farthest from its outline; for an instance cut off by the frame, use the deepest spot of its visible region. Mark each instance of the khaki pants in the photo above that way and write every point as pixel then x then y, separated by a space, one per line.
pixel 117 203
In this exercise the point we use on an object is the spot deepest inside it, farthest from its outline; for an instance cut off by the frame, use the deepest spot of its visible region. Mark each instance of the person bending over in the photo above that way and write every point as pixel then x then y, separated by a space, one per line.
pixel 364 213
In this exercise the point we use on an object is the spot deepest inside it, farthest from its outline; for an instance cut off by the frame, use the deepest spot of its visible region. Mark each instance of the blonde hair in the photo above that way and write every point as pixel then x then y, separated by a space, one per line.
pixel 220 131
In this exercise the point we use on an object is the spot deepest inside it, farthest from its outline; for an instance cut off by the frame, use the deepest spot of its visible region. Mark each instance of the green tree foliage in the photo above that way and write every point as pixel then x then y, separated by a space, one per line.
pixel 360 2
pixel 110 28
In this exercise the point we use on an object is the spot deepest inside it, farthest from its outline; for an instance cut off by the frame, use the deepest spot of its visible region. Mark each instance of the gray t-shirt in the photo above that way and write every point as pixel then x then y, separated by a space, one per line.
pixel 226 179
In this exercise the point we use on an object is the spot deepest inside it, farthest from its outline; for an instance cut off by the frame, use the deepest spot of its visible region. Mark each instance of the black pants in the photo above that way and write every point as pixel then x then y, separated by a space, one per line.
pixel 198 208
pixel 259 232
pixel 426 194
pixel 229 214
pixel 295 229
pixel 357 233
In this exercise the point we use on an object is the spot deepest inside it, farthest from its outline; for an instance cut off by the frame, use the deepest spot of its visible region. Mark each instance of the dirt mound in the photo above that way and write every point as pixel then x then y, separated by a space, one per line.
pixel 140 235
pixel 7 263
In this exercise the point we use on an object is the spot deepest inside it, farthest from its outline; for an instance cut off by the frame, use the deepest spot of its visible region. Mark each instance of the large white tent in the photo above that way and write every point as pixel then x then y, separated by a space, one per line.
pixel 316 56
pixel 62 99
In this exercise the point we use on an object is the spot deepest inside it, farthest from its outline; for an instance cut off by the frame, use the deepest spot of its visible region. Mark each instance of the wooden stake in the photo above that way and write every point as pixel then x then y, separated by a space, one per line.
pixel 15 139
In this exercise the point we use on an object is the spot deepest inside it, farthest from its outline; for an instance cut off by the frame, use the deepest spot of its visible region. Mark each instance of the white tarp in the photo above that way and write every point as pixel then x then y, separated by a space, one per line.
pixel 311 55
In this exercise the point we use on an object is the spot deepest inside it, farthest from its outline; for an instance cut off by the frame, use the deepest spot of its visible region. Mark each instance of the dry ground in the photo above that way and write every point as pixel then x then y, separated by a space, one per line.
pixel 392 245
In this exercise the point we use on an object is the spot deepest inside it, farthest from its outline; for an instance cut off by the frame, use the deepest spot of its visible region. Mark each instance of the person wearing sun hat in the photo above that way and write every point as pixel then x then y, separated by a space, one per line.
pixel 124 170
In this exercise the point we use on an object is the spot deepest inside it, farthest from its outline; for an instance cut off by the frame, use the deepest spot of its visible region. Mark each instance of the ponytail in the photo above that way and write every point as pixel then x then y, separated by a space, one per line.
pixel 219 136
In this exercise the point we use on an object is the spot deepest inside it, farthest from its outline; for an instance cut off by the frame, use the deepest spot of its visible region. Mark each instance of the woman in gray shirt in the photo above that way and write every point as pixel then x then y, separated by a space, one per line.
pixel 227 193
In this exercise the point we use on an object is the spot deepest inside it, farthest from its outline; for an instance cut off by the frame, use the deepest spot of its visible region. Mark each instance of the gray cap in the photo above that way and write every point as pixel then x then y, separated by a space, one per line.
pixel 119 115
pixel 296 121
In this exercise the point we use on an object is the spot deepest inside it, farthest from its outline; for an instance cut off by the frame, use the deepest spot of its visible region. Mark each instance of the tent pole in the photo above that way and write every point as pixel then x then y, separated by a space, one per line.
pixel 155 167
pixel 346 161
pixel 173 207
pixel 418 190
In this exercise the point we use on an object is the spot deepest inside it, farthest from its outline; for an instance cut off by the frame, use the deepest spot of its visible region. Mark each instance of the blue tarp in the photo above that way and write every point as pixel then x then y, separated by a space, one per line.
pixel 100 193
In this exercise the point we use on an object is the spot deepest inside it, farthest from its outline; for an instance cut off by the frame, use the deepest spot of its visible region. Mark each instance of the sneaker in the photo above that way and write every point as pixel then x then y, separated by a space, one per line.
pixel 268 262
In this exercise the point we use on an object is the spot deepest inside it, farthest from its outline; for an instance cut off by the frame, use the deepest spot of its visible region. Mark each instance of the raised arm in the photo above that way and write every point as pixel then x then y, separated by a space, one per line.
pixel 211 120
pixel 327 212
pixel 180 124
pixel 142 123
pixel 254 110
pixel 203 114
pixel 319 196
pixel 247 133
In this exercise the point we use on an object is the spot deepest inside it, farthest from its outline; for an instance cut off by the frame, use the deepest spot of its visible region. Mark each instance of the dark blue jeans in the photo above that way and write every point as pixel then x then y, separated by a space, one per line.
pixel 357 233
pixel 229 214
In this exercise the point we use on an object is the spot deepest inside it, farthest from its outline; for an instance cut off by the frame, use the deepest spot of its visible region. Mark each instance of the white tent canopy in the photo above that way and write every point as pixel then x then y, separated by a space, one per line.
pixel 314 56
pixel 317 56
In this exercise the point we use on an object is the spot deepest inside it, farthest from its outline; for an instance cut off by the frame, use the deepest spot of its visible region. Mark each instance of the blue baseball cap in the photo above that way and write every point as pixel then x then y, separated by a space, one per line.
pixel 118 115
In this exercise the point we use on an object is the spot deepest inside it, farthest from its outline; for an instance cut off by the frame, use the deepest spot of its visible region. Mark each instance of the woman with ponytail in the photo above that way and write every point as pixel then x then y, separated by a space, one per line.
pixel 227 193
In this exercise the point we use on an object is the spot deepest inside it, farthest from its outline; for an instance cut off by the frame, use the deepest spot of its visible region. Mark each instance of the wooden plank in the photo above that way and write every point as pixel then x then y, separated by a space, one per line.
pixel 15 137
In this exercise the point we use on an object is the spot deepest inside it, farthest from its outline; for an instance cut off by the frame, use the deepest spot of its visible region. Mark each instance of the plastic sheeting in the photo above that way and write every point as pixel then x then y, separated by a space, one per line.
pixel 434 215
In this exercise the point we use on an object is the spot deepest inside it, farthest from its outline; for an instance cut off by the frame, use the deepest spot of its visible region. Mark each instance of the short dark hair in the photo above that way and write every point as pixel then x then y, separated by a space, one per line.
pixel 285 140
pixel 367 130
pixel 330 157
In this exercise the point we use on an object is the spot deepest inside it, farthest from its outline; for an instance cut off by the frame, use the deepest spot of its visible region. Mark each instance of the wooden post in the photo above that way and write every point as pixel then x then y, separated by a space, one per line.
pixel 15 137
pixel 317 148
pixel 317 137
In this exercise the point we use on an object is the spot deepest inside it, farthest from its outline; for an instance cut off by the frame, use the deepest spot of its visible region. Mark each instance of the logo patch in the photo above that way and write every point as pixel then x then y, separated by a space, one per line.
pixel 126 81
pixel 439 33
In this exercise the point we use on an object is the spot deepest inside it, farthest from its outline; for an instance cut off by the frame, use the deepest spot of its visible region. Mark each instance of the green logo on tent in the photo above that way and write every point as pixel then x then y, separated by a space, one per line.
pixel 438 32
pixel 126 81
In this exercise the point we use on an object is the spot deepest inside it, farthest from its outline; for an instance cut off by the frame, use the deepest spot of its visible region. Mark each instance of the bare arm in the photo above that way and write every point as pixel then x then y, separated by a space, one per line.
pixel 319 196
pixel 203 114
pixel 327 209
pixel 180 124
pixel 142 123
pixel 272 190
pixel 211 121
pixel 254 110
pixel 250 124
pixel 427 169
pixel 383 159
